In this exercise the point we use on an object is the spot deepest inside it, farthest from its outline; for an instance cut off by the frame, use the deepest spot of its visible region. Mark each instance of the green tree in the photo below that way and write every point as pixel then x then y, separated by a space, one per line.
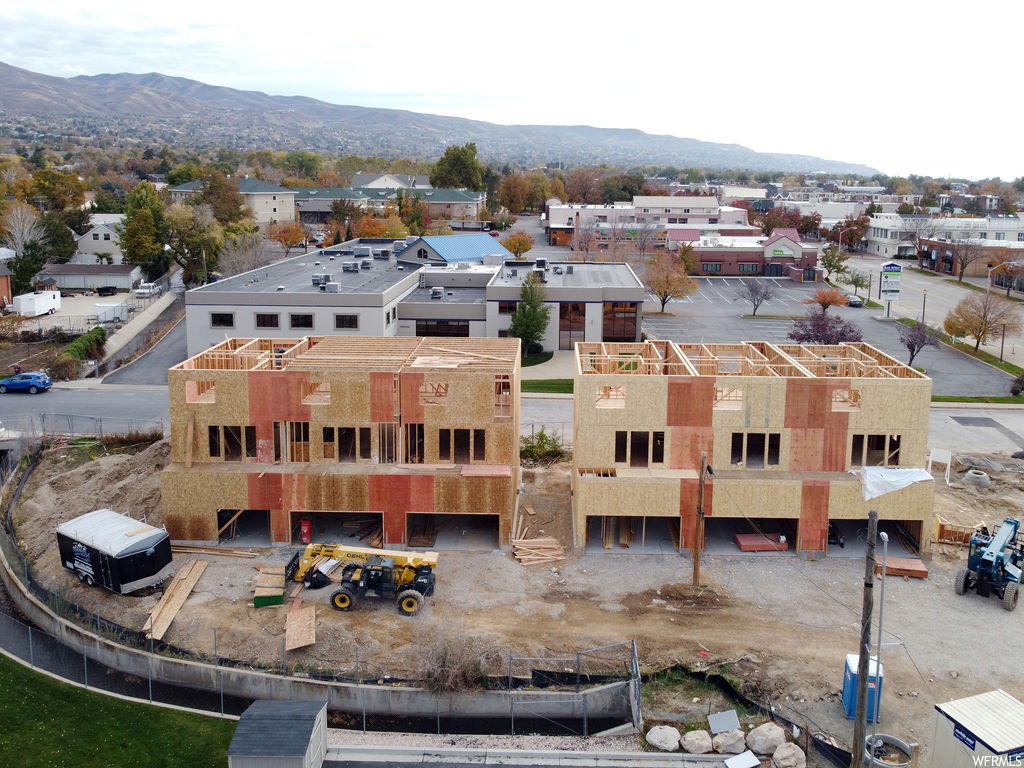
pixel 58 242
pixel 458 168
pixel 304 164
pixel 833 261
pixel 57 190
pixel 26 266
pixel 106 202
pixel 530 321
pixel 194 239
pixel 139 243
pixel 513 192
pixel 183 174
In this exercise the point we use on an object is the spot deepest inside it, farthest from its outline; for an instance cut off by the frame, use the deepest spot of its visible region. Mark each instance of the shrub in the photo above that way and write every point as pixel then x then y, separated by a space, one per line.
pixel 1018 386
pixel 88 345
pixel 543 448
pixel 452 662
pixel 64 368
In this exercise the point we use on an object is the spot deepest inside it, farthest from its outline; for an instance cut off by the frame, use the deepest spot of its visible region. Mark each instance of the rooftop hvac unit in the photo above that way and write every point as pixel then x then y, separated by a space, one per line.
pixel 542 263
pixel 361 250
pixel 350 266
pixel 437 292
pixel 542 274
pixel 331 259
pixel 513 273
pixel 381 253
pixel 558 270
pixel 332 287
pixel 316 263
pixel 568 269
pixel 280 287
pixel 365 263
pixel 316 279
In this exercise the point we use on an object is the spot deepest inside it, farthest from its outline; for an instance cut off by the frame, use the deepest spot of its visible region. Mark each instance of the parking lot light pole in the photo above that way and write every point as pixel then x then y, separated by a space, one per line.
pixel 924 303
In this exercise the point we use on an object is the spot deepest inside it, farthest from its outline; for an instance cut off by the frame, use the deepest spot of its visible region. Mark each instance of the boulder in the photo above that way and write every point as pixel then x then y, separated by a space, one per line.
pixel 765 739
pixel 664 737
pixel 696 742
pixel 789 755
pixel 730 743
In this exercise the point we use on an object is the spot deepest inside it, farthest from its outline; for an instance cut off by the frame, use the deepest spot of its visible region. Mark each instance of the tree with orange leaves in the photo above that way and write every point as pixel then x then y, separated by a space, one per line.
pixel 290 234
pixel 825 298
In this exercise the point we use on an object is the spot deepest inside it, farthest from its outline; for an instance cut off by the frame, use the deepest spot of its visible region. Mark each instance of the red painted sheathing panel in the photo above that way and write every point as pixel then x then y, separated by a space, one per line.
pixel 265 492
pixel 277 396
pixel 813 516
pixel 690 402
pixel 689 489
pixel 685 446
pixel 395 495
pixel 817 438
pixel 412 410
pixel 382 396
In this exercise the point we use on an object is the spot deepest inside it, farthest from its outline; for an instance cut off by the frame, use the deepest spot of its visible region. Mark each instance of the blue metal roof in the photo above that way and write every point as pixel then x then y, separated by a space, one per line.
pixel 471 247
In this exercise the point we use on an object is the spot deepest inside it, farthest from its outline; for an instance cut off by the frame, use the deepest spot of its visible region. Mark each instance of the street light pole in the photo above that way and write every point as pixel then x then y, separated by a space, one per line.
pixel 924 303
pixel 878 650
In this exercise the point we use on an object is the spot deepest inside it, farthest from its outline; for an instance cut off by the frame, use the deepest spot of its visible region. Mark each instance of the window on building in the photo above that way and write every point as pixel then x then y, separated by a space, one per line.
pixel 1020 237
pixel 479 445
pixel 507 307
pixel 610 397
pixel 874 450
pixel 422 253
pixel 387 442
pixel 222 319
pixel 621 444
pixel 638 449
pixel 673 221
pixel 755 450
pixel 444 445
pixel 250 442
pixel 330 447
pixel 200 392
pixel 232 443
pixel 434 393
pixel 748 267
pixel 267 320
pixel 347 448
pixel 983 235
pixel 442 328
pixel 214 441
pixel 298 441
pixel 712 221
pixel 711 266
pixel 316 393
pixel 502 396
pixel 342 322
pixel 461 452
pixel 728 399
pixel 95 235
pixel 845 399
pixel 658 448
pixel 619 321
pixel 300 321
pixel 1000 235
pixel 413 444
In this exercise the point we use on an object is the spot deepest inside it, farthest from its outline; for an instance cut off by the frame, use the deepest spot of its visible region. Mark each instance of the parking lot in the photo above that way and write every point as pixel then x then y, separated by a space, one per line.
pixel 715 314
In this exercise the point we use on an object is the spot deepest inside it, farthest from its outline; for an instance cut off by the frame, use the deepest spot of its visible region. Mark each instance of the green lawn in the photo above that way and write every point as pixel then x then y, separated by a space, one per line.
pixel 537 359
pixel 563 386
pixel 49 724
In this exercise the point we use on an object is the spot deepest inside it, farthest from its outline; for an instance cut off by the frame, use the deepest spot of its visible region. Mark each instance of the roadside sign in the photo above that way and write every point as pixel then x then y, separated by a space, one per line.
pixel 889 283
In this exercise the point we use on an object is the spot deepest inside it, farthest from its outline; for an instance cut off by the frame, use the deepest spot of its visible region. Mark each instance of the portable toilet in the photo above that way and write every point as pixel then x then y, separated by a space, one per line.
pixel 876 672
pixel 986 729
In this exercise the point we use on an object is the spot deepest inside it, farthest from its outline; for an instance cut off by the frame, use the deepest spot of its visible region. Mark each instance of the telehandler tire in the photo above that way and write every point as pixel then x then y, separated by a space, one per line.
pixel 961 581
pixel 409 602
pixel 344 599
pixel 1010 596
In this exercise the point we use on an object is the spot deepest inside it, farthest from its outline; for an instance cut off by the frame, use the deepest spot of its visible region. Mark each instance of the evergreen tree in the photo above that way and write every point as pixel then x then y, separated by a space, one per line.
pixel 530 321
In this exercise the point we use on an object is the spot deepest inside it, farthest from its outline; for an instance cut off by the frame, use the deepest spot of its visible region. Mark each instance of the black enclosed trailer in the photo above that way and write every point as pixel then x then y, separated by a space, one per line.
pixel 114 551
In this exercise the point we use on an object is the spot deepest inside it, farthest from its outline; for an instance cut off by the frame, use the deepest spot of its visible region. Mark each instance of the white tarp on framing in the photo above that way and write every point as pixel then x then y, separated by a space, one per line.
pixel 878 481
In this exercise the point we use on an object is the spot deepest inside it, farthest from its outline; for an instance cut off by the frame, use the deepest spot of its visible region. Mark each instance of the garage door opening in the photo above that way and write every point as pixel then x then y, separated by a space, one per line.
pixel 452 532
pixel 356 529
pixel 904 538
pixel 762 536
pixel 243 527
pixel 636 535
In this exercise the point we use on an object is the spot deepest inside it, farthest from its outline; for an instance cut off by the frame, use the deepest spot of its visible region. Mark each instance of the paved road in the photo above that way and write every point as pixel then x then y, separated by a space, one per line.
pixel 152 367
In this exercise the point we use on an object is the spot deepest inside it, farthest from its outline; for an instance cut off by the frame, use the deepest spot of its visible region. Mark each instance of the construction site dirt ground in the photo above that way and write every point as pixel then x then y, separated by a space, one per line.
pixel 780 624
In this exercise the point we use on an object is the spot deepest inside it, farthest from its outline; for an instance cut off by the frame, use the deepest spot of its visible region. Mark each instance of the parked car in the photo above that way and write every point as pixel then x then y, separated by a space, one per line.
pixel 106 290
pixel 29 381
pixel 854 301
pixel 493 233
pixel 146 290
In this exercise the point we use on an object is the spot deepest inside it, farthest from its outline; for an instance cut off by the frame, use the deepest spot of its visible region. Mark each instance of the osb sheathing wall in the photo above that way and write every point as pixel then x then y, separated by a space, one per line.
pixel 461 398
pixel 816 434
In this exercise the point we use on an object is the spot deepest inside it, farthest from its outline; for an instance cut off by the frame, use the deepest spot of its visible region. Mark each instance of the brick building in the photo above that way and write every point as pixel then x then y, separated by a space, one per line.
pixel 782 426
pixel 411 434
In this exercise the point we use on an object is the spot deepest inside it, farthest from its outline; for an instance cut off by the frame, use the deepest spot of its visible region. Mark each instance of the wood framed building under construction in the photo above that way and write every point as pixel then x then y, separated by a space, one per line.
pixel 782 426
pixel 342 433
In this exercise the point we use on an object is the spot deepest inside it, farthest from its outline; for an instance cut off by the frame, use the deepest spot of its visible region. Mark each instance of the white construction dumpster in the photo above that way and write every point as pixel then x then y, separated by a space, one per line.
pixel 986 729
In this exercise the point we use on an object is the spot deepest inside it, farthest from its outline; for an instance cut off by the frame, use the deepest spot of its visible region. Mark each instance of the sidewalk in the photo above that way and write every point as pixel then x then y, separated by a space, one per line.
pixel 562 365
pixel 120 338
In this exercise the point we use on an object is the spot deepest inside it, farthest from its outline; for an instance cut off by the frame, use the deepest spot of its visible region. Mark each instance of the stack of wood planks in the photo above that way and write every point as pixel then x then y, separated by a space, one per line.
pixel 268 586
pixel 424 534
pixel 163 613
pixel 300 626
pixel 544 549
pixel 182 549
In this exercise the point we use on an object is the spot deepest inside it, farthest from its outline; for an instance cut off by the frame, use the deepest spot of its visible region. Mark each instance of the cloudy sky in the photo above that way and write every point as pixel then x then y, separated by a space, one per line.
pixel 906 87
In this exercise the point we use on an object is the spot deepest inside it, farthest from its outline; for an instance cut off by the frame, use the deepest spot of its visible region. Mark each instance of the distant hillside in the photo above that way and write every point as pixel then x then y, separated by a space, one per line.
pixel 160 107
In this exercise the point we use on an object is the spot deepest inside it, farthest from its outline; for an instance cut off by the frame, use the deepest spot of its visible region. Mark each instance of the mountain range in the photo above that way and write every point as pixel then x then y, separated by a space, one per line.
pixel 163 108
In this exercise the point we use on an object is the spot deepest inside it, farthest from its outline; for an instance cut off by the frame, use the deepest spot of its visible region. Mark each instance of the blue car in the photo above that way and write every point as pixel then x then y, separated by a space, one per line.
pixel 31 382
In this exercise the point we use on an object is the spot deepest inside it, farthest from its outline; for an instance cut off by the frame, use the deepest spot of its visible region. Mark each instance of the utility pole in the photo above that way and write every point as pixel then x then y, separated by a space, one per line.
pixel 699 539
pixel 861 713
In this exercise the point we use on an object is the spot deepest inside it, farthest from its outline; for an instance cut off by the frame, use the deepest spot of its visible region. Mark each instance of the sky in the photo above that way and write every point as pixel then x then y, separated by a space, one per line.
pixel 905 87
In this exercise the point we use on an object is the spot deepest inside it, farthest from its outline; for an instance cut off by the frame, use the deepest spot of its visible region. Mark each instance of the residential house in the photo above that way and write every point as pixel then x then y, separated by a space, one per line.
pixel 397 435
pixel 102 241
pixel 267 202
pixel 781 425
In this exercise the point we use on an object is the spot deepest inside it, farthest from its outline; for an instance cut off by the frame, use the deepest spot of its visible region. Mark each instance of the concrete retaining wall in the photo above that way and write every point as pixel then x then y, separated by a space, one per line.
pixel 607 701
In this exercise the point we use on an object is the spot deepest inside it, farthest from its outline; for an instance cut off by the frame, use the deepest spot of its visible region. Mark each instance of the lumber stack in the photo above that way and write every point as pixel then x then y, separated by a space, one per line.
pixel 268 586
pixel 540 550
pixel 182 549
pixel 163 612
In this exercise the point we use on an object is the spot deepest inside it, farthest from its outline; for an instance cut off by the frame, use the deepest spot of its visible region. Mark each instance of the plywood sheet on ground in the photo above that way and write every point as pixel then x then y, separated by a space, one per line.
pixel 163 613
pixel 903 566
pixel 300 628
pixel 761 542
